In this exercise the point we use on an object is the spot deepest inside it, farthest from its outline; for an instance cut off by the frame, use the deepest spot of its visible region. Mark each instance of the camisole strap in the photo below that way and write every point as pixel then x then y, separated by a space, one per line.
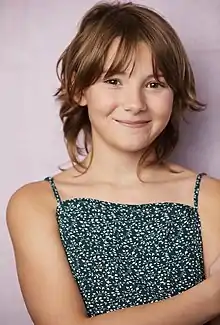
pixel 54 189
pixel 197 189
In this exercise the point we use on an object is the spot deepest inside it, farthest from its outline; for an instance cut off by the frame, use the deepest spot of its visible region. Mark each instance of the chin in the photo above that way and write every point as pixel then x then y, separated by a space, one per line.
pixel 132 148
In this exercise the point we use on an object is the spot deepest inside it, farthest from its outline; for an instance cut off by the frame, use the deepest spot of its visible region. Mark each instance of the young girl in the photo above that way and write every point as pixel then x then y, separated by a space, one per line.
pixel 122 227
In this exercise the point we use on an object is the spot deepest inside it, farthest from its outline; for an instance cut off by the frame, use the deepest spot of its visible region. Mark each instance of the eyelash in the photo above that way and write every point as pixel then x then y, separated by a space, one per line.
pixel 109 81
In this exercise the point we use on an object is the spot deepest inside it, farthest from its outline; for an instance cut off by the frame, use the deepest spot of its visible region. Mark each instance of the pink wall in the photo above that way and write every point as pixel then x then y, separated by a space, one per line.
pixel 32 35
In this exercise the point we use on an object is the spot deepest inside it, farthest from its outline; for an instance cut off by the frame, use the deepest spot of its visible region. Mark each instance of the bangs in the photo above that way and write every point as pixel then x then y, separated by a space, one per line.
pixel 125 57
pixel 127 33
pixel 89 57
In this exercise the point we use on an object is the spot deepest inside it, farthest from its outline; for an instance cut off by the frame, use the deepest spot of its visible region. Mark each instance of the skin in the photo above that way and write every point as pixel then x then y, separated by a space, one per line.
pixel 122 98
pixel 49 290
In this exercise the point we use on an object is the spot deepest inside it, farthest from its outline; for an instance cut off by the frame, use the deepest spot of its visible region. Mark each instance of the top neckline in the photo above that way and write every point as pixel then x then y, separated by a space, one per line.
pixel 61 202
pixel 123 205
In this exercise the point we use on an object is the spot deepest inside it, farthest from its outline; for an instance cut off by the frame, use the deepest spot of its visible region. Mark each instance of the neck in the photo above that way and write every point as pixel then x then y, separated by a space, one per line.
pixel 114 166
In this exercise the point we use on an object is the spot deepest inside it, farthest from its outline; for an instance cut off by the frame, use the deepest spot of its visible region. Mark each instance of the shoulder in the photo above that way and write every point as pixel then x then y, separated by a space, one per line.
pixel 31 194
pixel 208 209
pixel 36 198
pixel 31 204
pixel 209 205
pixel 210 193
pixel 209 212
pixel 40 257
pixel 209 187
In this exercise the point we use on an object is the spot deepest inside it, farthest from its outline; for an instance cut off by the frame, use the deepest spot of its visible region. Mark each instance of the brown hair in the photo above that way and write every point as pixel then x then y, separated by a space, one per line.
pixel 82 63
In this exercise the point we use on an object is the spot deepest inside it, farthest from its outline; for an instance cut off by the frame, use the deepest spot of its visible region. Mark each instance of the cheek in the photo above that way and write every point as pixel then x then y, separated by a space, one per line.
pixel 100 107
pixel 162 105
pixel 169 100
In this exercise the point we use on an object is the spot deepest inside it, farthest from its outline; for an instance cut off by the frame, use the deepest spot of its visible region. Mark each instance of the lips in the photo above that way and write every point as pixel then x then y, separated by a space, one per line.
pixel 133 124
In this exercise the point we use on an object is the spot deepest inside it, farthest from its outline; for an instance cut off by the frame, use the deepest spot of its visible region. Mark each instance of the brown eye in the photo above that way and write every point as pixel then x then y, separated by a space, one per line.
pixel 154 85
pixel 113 82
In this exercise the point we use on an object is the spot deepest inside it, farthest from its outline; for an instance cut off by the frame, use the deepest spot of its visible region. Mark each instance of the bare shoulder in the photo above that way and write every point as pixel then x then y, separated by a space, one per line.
pixel 31 200
pixel 210 194
pixel 36 193
pixel 38 197
pixel 209 211
pixel 208 208
pixel 47 284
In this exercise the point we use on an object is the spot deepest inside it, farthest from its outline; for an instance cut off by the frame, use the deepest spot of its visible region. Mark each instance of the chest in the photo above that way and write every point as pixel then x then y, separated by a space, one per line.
pixel 123 255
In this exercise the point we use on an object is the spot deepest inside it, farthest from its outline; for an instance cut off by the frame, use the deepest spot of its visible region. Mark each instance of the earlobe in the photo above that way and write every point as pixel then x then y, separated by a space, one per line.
pixel 81 99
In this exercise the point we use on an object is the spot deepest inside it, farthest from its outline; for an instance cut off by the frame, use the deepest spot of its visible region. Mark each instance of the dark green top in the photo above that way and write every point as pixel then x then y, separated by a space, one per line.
pixel 124 255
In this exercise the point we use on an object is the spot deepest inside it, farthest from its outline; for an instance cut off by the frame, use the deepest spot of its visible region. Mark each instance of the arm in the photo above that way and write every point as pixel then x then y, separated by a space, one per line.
pixel 210 216
pixel 189 308
pixel 49 290
pixel 215 267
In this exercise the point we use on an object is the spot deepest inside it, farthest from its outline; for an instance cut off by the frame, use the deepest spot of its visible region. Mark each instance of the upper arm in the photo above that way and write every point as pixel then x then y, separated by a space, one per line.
pixel 48 287
pixel 209 210
pixel 210 219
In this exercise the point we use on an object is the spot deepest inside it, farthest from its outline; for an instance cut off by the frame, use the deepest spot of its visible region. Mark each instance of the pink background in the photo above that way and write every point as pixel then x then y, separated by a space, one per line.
pixel 32 35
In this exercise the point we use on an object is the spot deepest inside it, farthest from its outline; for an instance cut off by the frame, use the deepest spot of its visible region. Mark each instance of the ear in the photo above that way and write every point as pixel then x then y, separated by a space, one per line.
pixel 81 99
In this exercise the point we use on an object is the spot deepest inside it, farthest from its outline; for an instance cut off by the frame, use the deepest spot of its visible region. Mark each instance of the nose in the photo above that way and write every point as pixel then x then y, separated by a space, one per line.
pixel 135 101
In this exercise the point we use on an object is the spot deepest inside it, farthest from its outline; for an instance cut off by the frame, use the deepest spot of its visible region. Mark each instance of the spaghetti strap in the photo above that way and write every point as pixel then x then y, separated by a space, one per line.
pixel 54 189
pixel 197 189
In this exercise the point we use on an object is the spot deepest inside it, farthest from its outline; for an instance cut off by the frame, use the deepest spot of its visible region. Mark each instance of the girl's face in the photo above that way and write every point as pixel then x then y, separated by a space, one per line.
pixel 128 111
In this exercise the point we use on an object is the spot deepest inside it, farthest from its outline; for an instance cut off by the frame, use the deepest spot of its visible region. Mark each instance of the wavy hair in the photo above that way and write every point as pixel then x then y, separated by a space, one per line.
pixel 82 63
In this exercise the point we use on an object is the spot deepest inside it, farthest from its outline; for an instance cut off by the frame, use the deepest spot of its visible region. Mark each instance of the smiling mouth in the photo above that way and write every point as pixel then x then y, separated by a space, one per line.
pixel 132 124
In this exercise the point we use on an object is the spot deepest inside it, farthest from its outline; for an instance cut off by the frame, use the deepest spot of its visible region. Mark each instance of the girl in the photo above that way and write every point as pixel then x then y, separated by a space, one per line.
pixel 122 227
